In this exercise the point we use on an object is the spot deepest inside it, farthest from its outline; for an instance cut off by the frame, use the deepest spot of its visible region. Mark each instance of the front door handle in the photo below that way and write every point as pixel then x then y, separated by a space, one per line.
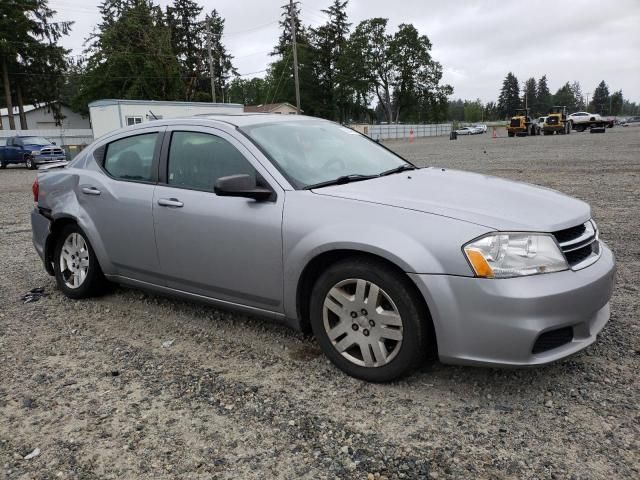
pixel 90 190
pixel 170 202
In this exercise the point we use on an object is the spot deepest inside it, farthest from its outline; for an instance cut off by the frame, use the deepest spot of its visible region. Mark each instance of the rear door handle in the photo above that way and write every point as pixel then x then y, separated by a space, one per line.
pixel 170 202
pixel 90 190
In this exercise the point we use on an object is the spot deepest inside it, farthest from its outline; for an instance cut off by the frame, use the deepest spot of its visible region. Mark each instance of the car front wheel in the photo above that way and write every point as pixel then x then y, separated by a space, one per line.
pixel 76 267
pixel 30 164
pixel 368 320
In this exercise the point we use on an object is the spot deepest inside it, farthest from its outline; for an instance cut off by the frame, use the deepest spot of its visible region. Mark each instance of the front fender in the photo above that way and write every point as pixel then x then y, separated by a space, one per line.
pixel 416 242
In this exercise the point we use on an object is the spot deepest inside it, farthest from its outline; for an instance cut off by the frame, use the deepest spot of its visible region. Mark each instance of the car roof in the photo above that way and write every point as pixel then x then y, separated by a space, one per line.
pixel 244 119
pixel 231 120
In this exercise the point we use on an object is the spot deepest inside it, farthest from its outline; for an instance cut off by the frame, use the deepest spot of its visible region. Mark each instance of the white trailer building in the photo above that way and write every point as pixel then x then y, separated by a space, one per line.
pixel 108 115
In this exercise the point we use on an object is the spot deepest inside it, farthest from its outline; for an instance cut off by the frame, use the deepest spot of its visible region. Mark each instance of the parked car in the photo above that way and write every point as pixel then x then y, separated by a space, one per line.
pixel 317 226
pixel 631 122
pixel 584 117
pixel 466 131
pixel 540 122
pixel 481 128
pixel 30 150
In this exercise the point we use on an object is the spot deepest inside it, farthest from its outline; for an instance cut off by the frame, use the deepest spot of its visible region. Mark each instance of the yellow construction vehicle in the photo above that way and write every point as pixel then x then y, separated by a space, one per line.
pixel 522 124
pixel 557 121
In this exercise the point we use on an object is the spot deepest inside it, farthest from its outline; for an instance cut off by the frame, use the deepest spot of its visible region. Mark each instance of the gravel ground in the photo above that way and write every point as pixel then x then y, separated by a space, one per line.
pixel 132 385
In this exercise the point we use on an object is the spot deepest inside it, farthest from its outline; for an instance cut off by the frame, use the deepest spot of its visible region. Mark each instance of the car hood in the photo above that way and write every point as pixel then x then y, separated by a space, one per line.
pixel 481 199
pixel 34 146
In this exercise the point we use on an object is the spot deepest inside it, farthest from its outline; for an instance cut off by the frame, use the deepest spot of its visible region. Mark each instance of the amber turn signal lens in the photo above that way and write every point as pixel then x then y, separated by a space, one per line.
pixel 479 264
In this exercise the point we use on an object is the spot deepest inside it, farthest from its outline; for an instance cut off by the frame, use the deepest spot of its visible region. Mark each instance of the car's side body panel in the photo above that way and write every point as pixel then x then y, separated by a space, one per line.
pixel 414 242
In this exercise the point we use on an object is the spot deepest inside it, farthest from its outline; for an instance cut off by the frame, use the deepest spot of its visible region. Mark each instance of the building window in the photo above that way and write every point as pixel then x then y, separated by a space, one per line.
pixel 133 120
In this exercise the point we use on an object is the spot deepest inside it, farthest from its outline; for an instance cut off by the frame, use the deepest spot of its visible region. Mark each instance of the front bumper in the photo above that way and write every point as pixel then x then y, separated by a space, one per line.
pixel 40 160
pixel 496 322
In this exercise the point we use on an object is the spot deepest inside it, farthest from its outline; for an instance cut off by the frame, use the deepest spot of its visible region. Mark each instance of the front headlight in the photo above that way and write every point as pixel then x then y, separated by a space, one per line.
pixel 504 255
pixel 35 152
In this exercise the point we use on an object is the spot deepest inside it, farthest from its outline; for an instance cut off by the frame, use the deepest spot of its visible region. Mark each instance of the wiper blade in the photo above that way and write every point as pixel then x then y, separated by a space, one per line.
pixel 401 168
pixel 340 181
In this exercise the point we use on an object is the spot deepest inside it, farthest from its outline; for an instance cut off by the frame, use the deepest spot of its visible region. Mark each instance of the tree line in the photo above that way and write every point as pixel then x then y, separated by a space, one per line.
pixel 142 51
pixel 536 96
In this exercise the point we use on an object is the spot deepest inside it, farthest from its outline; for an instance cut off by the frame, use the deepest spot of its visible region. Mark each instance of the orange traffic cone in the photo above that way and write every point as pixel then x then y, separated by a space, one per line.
pixel 411 136
pixel 494 132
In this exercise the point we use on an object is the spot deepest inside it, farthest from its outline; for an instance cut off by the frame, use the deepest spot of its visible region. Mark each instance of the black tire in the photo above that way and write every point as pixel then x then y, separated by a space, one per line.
pixel 29 163
pixel 511 134
pixel 580 128
pixel 416 323
pixel 544 132
pixel 94 283
pixel 2 164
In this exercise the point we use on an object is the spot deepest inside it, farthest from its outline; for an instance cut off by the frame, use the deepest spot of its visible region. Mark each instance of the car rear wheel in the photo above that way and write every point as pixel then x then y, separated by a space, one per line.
pixel 76 267
pixel 368 320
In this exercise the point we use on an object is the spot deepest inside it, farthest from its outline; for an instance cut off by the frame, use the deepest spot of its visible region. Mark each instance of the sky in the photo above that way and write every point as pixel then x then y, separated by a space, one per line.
pixel 477 42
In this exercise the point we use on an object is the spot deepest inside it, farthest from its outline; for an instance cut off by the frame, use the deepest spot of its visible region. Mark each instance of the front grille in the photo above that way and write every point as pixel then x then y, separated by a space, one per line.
pixel 569 234
pixel 552 121
pixel 51 151
pixel 579 244
pixel 515 122
pixel 553 339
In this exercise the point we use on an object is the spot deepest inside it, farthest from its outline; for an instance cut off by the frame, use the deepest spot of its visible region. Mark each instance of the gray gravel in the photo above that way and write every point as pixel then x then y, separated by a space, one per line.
pixel 132 385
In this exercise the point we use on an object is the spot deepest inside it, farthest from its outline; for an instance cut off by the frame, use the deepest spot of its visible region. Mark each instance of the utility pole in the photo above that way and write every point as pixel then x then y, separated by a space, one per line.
pixel 209 44
pixel 295 54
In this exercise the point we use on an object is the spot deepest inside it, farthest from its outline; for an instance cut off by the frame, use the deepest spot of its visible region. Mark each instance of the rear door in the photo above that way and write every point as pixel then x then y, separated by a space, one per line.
pixel 221 247
pixel 14 150
pixel 116 192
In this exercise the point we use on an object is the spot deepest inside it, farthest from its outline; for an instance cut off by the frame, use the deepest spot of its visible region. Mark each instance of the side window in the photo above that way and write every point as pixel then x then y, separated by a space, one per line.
pixel 197 160
pixel 133 120
pixel 131 158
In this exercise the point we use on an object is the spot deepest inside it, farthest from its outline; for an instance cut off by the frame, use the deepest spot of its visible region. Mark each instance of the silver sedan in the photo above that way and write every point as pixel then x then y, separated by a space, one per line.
pixel 317 226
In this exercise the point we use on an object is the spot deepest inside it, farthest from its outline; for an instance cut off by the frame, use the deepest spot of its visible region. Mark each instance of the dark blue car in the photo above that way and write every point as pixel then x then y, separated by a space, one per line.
pixel 30 150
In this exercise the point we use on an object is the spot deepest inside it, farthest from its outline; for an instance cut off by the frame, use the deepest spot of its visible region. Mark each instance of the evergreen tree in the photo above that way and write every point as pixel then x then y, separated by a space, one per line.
pixel 616 102
pixel 280 76
pixel 473 111
pixel 529 98
pixel 600 101
pixel 223 69
pixel 188 43
pixel 577 93
pixel 332 92
pixel 31 62
pixel 247 92
pixel 509 99
pixel 130 56
pixel 544 100
pixel 565 96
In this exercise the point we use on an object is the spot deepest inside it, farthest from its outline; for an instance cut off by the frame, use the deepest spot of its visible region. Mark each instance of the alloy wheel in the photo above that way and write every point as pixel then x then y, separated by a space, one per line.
pixel 362 322
pixel 74 260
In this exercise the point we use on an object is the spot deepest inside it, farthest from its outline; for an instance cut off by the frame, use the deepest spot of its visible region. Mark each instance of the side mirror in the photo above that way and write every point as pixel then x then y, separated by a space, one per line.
pixel 53 143
pixel 241 186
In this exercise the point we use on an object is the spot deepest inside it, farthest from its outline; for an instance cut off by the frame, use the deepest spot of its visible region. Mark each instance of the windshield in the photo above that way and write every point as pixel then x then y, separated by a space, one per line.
pixel 311 152
pixel 35 141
